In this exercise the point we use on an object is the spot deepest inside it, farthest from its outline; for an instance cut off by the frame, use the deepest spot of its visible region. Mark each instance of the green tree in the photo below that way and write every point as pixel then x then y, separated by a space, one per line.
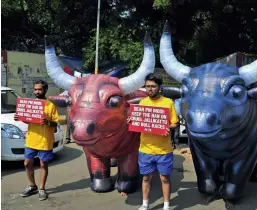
pixel 202 30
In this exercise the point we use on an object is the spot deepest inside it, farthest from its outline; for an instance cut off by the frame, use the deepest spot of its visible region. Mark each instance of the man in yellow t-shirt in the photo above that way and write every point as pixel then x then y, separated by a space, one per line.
pixel 39 142
pixel 156 151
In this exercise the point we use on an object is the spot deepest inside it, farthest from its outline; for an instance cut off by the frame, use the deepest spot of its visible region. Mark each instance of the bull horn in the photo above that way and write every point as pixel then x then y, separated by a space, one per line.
pixel 249 73
pixel 54 69
pixel 135 81
pixel 168 60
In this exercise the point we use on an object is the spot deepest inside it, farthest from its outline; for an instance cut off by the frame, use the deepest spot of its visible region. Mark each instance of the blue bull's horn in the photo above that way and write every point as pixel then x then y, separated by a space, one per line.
pixel 168 60
pixel 54 69
pixel 249 73
pixel 135 81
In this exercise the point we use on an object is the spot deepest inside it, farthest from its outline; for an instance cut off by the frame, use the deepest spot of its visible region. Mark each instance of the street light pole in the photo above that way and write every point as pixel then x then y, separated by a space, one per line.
pixel 97 37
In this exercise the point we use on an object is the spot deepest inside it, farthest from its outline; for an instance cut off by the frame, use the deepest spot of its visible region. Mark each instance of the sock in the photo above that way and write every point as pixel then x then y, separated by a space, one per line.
pixel 145 203
pixel 166 204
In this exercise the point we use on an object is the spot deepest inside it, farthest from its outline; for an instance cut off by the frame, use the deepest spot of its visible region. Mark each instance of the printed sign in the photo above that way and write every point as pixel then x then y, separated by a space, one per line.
pixel 148 119
pixel 30 110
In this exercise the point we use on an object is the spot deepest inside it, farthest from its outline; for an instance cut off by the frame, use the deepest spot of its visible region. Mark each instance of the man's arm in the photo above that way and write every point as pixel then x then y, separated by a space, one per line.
pixel 55 117
pixel 173 117
pixel 48 122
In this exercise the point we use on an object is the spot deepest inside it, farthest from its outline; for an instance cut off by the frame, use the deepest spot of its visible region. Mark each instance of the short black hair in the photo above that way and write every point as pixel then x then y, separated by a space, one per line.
pixel 41 82
pixel 154 77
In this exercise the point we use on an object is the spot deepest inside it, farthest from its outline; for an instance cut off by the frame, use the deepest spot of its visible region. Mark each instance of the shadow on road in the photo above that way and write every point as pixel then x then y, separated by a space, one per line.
pixel 78 185
pixel 185 190
pixel 66 155
pixel 135 198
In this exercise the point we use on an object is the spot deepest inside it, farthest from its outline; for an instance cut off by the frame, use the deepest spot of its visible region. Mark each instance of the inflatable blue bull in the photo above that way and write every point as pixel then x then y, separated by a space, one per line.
pixel 219 105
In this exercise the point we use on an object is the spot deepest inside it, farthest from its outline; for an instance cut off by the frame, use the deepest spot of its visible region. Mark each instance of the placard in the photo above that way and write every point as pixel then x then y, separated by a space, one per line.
pixel 148 119
pixel 30 110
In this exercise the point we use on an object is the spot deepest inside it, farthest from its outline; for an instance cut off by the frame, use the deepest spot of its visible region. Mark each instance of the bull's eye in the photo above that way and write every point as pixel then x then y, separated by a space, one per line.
pixel 114 101
pixel 237 91
pixel 184 90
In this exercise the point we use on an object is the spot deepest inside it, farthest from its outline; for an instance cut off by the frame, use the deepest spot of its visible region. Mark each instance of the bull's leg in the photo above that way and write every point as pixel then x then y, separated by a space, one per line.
pixel 99 169
pixel 127 179
pixel 237 173
pixel 207 171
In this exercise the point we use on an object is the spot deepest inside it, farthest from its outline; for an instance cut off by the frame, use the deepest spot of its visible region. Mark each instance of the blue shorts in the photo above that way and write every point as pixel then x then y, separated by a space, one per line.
pixel 43 155
pixel 149 163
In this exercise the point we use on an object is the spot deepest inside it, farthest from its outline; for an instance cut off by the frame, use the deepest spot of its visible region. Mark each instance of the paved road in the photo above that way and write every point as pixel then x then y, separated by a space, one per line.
pixel 69 188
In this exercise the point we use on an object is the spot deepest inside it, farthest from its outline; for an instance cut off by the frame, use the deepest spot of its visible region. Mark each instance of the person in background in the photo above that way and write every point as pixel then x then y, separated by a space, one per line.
pixel 39 142
pixel 68 130
pixel 156 151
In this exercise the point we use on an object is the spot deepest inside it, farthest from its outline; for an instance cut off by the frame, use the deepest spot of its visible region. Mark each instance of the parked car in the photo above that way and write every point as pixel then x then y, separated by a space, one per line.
pixel 13 133
pixel 182 133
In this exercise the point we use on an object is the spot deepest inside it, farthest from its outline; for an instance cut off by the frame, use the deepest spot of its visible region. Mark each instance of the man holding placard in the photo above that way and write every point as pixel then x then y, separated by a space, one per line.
pixel 155 151
pixel 40 139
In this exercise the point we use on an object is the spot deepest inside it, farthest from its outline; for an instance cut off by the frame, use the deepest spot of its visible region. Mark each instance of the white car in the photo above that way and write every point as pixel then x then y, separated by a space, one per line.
pixel 182 133
pixel 13 133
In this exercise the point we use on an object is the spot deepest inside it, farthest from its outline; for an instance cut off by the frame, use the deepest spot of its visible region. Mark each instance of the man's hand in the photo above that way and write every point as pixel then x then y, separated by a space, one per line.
pixel 129 120
pixel 44 122
pixel 167 132
pixel 16 117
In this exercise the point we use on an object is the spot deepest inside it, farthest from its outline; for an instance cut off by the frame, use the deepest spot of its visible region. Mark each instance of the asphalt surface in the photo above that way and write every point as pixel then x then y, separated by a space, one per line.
pixel 68 186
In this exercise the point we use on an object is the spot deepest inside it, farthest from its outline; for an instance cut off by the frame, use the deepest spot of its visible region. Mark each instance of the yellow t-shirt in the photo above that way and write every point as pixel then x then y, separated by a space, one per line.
pixel 41 137
pixel 157 144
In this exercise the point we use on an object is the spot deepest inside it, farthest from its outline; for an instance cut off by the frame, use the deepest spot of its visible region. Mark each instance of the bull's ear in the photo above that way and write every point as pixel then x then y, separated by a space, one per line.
pixel 136 97
pixel 60 101
pixel 252 93
pixel 172 92
pixel 134 101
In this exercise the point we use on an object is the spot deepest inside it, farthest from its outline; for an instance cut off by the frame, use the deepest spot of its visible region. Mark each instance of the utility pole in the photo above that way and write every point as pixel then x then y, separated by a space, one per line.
pixel 97 37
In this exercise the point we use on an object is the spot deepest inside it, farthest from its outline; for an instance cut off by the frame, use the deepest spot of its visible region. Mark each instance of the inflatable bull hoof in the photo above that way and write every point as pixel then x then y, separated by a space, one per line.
pixel 229 205
pixel 230 194
pixel 102 185
pixel 215 196
pixel 127 187
pixel 207 186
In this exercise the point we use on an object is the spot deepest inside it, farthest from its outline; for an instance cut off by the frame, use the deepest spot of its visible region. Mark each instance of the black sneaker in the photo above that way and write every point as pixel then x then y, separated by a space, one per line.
pixel 29 191
pixel 42 195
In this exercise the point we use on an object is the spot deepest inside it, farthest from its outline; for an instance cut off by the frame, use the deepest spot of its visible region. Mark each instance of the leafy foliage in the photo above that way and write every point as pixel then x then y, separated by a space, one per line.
pixel 115 45
pixel 161 4
pixel 202 30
